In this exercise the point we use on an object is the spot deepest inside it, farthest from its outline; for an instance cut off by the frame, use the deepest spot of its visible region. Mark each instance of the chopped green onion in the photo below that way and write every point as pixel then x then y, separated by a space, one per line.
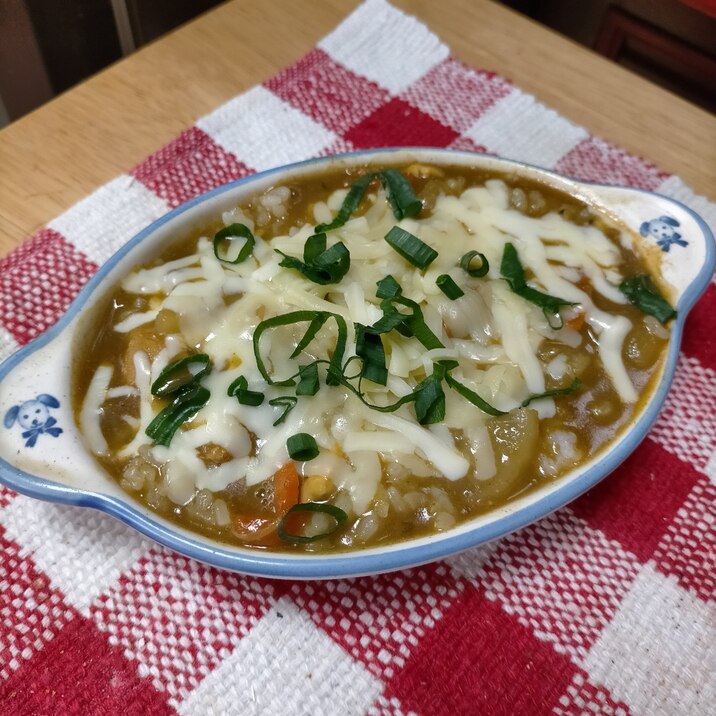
pixel 335 512
pixel 401 196
pixel 181 373
pixel 411 248
pixel 446 284
pixel 302 447
pixel 350 203
pixel 511 269
pixel 472 397
pixel 229 233
pixel 369 347
pixel 336 361
pixel 313 327
pixel 407 324
pixel 388 287
pixel 466 264
pixel 574 385
pixel 641 291
pixel 329 266
pixel 392 319
pixel 240 390
pixel 184 406
pixel 430 400
pixel 308 383
pixel 416 325
pixel 287 402
pixel 315 245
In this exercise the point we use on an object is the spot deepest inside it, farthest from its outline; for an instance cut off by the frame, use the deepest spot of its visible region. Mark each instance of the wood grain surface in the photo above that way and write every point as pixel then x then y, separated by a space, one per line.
pixel 64 150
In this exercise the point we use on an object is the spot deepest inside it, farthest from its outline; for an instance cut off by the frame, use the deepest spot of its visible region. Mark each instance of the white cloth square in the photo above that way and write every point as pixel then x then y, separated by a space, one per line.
pixel 657 653
pixel 83 551
pixel 103 222
pixel 518 127
pixel 287 666
pixel 381 43
pixel 263 131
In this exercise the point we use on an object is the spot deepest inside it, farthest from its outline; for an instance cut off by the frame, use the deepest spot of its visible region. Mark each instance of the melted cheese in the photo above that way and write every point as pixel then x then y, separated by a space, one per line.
pixel 493 334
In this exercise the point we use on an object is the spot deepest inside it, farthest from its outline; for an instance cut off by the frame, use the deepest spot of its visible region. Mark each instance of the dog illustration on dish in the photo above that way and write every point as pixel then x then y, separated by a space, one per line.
pixel 664 231
pixel 34 416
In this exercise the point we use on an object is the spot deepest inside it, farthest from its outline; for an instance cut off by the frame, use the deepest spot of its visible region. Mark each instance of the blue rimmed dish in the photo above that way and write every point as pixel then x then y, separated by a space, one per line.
pixel 42 453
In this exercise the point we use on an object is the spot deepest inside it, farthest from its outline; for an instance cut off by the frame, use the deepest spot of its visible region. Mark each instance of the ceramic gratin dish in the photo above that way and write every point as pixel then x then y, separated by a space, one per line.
pixel 42 452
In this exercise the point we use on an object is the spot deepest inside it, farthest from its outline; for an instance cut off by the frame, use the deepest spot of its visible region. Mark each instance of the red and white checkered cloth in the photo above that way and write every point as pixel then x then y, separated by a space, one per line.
pixel 608 606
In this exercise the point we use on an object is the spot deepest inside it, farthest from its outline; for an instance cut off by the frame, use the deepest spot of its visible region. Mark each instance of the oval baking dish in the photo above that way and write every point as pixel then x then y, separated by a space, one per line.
pixel 43 453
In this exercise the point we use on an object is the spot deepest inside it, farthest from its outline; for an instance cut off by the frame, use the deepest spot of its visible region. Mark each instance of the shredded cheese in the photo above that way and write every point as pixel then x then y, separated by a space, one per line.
pixel 492 333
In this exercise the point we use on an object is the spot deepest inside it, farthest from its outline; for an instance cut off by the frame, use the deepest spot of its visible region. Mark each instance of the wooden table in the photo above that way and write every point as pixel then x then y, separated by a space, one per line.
pixel 64 150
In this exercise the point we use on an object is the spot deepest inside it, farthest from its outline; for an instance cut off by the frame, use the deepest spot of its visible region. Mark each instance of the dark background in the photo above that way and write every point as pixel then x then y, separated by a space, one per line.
pixel 47 46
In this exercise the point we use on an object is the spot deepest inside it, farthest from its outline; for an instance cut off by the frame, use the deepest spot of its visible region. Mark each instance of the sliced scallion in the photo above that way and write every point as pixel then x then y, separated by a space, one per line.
pixel 181 373
pixel 308 382
pixel 448 286
pixel 411 248
pixel 336 361
pixel 313 327
pixel 417 326
pixel 467 264
pixel 401 196
pixel 574 385
pixel 399 191
pixel 324 268
pixel 512 270
pixel 302 447
pixel 430 400
pixel 641 291
pixel 472 397
pixel 229 233
pixel 185 405
pixel 388 287
pixel 315 245
pixel 369 347
pixel 239 389
pixel 287 402
pixel 350 203
pixel 336 513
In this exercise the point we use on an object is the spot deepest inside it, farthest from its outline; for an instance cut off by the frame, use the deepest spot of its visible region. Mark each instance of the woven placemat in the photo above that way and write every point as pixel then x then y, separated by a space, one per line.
pixel 605 607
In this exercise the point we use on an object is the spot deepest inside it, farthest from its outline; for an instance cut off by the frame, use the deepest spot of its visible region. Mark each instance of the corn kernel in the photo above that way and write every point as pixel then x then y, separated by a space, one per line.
pixel 316 487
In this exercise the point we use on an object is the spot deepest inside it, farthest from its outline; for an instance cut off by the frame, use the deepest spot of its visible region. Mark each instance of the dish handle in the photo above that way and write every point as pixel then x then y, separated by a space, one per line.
pixel 676 243
pixel 38 433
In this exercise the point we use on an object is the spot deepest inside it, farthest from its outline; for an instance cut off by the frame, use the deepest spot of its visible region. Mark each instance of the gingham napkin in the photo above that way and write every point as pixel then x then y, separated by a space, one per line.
pixel 604 607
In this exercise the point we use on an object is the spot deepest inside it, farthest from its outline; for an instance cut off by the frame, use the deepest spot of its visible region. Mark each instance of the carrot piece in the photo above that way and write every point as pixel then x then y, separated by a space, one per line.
pixel 261 529
pixel 286 488
pixel 253 529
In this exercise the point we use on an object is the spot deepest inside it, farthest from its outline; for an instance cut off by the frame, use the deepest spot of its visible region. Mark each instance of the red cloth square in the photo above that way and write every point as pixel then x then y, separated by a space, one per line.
pixel 190 165
pixel 635 504
pixel 148 617
pixel 32 611
pixel 686 426
pixel 327 92
pixel 596 160
pixel 79 673
pixel 455 94
pixel 562 579
pixel 479 660
pixel 38 281
pixel 380 621
pixel 700 331
pixel 687 550
pixel 399 124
